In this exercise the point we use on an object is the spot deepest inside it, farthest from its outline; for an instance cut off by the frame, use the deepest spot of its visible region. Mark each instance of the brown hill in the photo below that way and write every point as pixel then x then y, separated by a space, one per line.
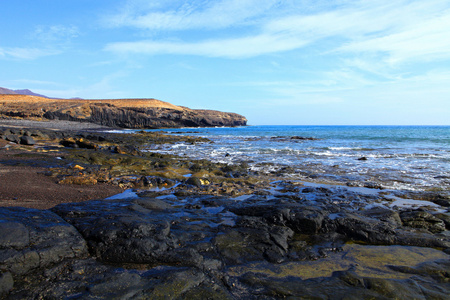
pixel 21 99
pixel 124 113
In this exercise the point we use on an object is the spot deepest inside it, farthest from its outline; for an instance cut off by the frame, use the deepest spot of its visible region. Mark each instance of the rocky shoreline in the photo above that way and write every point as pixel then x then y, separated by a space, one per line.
pixel 185 229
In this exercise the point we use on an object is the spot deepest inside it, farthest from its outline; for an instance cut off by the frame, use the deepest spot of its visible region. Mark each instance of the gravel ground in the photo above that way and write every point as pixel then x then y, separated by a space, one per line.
pixel 27 186
pixel 54 124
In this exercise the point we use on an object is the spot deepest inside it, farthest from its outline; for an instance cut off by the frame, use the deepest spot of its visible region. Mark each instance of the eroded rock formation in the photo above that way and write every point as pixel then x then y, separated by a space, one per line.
pixel 123 113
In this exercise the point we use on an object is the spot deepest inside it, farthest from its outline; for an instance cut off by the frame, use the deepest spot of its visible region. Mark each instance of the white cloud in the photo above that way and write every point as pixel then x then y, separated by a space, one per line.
pixel 402 30
pixel 53 39
pixel 56 33
pixel 183 15
pixel 26 53
pixel 425 40
pixel 229 48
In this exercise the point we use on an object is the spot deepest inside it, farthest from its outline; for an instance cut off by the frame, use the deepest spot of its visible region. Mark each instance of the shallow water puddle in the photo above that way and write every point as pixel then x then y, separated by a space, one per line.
pixel 356 189
pixel 411 203
pixel 367 261
pixel 127 194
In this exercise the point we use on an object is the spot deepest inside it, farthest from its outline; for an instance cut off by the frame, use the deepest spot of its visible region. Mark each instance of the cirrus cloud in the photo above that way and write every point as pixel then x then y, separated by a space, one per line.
pixel 402 30
pixel 26 53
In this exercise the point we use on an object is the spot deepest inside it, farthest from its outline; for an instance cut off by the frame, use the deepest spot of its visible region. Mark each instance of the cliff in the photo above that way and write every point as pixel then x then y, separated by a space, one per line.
pixel 123 113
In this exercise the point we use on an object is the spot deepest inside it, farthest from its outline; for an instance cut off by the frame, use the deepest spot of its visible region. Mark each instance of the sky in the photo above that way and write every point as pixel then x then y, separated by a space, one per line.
pixel 292 62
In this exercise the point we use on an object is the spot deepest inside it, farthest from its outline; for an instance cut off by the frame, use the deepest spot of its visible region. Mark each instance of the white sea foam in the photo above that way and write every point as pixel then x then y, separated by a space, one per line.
pixel 396 157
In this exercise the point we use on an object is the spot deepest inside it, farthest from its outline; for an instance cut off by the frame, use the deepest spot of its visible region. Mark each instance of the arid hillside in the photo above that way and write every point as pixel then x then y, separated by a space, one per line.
pixel 124 113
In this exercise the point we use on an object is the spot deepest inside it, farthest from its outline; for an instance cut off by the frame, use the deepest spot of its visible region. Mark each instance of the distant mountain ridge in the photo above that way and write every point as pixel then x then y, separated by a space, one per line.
pixel 28 92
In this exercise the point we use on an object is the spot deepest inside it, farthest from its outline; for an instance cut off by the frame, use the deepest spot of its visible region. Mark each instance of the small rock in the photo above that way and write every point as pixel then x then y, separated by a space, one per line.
pixel 422 219
pixel 12 138
pixel 6 283
pixel 303 138
pixel 27 140
pixel 79 180
pixel 198 182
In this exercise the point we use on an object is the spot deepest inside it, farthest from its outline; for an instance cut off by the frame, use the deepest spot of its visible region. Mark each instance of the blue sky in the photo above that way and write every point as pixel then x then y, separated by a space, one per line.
pixel 300 62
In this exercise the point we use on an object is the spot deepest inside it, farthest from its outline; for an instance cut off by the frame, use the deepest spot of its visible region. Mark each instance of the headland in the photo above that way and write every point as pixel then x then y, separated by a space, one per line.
pixel 121 113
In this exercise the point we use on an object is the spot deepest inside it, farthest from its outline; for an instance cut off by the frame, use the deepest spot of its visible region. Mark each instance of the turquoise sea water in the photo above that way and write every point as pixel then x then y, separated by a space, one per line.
pixel 399 157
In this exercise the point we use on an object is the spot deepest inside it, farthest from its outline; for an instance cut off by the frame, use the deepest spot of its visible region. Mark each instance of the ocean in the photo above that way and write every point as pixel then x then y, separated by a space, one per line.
pixel 393 157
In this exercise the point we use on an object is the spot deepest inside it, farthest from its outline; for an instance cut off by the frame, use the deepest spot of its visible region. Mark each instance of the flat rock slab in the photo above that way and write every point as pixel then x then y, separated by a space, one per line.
pixel 34 239
pixel 213 247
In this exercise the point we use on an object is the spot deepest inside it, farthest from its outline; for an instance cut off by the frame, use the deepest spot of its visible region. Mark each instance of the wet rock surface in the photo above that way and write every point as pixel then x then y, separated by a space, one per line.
pixel 187 229
pixel 186 247
pixel 34 239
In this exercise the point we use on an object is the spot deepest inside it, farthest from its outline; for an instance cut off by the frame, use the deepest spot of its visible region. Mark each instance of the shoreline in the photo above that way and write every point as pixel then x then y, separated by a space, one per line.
pixel 193 228
pixel 59 125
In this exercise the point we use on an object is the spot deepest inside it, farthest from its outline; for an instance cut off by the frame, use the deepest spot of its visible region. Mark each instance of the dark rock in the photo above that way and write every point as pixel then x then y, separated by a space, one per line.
pixel 126 150
pixel 421 239
pixel 153 204
pixel 373 185
pixel 16 131
pixel 240 245
pixel 6 283
pixel 174 284
pixel 383 214
pixel 38 133
pixel 360 228
pixel 27 140
pixel 5 132
pixel 362 158
pixel 198 182
pixel 12 138
pixel 69 142
pixel 422 219
pixel 120 233
pixel 303 138
pixel 201 246
pixel 306 220
pixel 14 234
pixel 38 241
pixel 445 217
pixel 120 284
pixel 78 143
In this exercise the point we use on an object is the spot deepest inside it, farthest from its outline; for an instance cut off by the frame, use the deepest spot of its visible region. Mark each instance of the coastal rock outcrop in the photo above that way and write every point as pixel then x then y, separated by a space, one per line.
pixel 213 247
pixel 123 113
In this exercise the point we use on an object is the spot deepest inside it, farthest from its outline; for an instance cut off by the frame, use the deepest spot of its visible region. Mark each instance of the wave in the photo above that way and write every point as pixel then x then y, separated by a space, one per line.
pixel 399 158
